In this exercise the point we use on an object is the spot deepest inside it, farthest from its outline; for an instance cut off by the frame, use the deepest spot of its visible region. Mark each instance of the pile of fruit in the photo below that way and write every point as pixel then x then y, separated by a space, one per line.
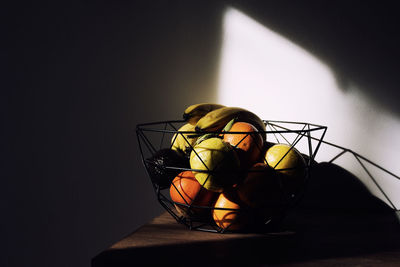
pixel 221 168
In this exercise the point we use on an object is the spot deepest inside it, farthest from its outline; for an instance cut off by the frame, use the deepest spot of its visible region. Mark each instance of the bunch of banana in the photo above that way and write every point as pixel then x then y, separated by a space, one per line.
pixel 194 113
pixel 217 119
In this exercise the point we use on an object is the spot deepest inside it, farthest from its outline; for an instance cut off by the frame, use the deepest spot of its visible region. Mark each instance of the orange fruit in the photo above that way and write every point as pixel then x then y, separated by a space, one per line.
pixel 228 213
pixel 261 188
pixel 249 143
pixel 186 192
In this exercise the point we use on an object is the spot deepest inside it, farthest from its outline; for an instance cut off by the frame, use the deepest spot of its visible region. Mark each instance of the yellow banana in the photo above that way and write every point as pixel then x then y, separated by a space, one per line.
pixel 217 119
pixel 184 142
pixel 194 112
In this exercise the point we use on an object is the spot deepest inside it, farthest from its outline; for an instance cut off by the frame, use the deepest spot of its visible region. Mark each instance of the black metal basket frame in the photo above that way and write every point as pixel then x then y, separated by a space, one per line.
pixel 274 128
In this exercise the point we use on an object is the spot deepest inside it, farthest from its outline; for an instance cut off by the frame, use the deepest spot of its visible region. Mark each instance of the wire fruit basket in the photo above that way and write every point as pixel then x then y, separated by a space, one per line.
pixel 223 196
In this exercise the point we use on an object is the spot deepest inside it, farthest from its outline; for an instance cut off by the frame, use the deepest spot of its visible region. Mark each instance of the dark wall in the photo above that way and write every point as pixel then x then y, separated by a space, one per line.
pixel 79 78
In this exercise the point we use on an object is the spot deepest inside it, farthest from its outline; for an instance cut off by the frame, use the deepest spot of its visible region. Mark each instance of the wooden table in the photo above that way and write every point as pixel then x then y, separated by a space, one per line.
pixel 307 238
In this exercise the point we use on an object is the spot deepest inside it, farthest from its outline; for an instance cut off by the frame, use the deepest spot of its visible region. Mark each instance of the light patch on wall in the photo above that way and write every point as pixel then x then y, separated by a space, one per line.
pixel 278 80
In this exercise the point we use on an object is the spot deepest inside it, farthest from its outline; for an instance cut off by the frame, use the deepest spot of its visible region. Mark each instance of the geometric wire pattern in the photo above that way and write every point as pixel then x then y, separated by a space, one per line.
pixel 152 137
pixel 366 165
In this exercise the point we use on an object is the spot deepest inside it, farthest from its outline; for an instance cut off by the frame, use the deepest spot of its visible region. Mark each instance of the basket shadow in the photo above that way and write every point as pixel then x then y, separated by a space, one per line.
pixel 333 188
pixel 339 217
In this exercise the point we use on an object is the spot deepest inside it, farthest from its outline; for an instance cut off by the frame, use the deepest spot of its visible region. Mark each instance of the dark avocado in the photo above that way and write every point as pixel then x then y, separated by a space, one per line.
pixel 165 165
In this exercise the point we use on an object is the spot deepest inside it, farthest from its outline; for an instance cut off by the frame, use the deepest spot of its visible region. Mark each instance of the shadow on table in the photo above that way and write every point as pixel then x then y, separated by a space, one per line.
pixel 338 218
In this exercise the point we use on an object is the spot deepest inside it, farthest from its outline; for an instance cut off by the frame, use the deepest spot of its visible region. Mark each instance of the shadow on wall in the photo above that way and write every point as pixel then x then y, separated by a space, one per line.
pixel 333 189
pixel 280 80
pixel 357 39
